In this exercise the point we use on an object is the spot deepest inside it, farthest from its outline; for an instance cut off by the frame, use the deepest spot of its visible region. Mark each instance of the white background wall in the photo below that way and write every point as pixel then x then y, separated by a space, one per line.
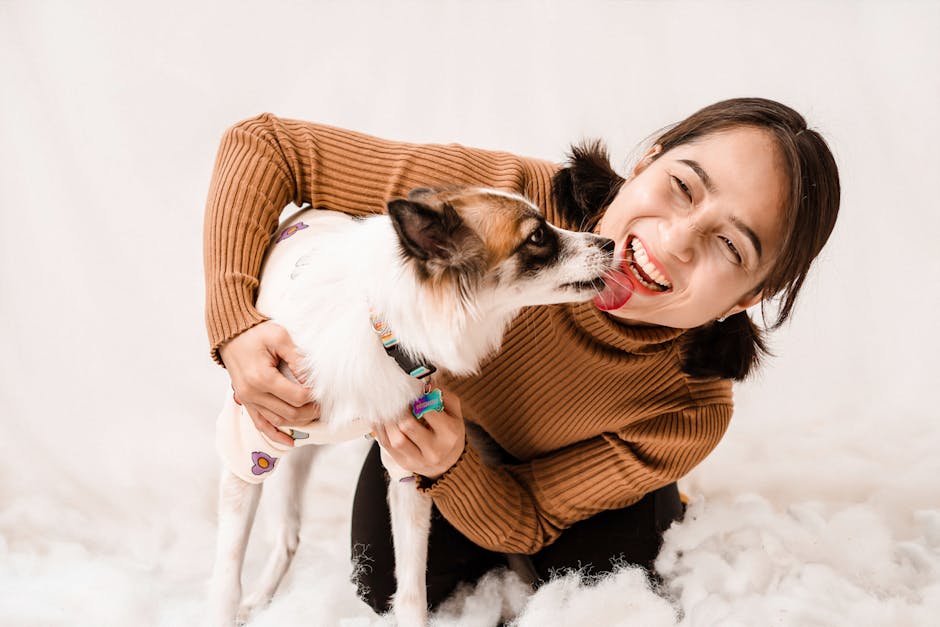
pixel 110 115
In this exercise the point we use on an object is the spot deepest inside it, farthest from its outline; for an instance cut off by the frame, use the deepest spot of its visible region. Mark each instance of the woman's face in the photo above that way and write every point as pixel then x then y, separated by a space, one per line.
pixel 697 228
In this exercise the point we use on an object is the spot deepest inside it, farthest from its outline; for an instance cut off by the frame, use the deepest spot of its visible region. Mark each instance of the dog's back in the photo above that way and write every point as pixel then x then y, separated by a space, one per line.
pixel 305 230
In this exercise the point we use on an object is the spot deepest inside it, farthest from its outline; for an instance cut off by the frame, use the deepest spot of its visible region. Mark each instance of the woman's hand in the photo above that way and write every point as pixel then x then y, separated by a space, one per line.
pixel 271 399
pixel 427 448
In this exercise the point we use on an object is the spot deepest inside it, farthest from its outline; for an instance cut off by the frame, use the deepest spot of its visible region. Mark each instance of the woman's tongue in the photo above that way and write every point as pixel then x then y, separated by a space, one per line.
pixel 618 288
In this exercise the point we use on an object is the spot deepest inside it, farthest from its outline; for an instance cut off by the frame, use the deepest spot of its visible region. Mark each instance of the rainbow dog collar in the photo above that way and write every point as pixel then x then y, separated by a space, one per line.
pixel 432 399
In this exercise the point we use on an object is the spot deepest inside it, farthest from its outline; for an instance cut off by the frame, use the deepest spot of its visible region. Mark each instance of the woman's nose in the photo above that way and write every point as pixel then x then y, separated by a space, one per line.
pixel 680 237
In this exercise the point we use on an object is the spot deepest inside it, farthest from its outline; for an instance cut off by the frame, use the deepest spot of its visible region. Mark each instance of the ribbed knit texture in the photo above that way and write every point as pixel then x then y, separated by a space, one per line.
pixel 599 413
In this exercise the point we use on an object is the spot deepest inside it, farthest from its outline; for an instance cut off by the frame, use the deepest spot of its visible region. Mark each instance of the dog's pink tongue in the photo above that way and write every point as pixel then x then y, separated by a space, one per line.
pixel 618 288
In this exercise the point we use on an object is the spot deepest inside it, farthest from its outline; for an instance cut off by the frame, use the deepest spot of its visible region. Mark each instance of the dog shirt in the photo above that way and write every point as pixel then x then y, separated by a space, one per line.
pixel 253 456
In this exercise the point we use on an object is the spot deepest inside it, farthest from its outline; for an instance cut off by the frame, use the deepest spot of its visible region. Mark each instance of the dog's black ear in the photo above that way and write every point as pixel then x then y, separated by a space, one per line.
pixel 425 233
pixel 586 185
pixel 729 349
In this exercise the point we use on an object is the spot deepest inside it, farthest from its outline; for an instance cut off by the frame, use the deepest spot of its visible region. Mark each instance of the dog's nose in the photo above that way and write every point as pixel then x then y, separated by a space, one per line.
pixel 607 245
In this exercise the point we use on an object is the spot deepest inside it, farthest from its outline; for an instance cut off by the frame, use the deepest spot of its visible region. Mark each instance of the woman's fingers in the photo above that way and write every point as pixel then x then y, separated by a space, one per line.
pixel 449 435
pixel 400 442
pixel 288 415
pixel 252 359
pixel 415 432
pixel 284 402
pixel 281 348
pixel 378 432
pixel 294 394
pixel 428 447
pixel 402 449
pixel 263 423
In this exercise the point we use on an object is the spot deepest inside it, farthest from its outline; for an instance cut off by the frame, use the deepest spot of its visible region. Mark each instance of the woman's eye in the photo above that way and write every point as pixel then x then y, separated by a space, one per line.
pixel 538 236
pixel 734 251
pixel 685 188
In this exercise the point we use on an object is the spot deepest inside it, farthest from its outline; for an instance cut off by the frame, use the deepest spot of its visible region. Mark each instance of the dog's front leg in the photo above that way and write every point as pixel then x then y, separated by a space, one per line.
pixel 411 525
pixel 284 496
pixel 238 502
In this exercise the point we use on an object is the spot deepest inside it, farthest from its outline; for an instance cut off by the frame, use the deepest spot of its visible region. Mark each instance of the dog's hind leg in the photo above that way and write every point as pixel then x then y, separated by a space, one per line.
pixel 411 525
pixel 238 502
pixel 284 498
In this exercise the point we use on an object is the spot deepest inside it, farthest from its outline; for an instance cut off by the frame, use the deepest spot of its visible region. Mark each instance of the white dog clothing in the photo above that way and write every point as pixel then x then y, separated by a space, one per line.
pixel 252 456
pixel 248 453
pixel 245 451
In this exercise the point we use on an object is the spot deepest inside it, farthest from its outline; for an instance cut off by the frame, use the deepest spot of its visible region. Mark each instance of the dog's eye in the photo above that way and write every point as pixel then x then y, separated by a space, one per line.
pixel 537 237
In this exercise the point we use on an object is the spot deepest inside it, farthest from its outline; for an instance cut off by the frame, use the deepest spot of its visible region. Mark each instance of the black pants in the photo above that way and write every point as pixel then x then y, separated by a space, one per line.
pixel 632 535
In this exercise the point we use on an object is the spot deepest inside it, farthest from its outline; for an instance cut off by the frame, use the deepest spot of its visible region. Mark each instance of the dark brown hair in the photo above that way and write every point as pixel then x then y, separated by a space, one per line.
pixel 731 348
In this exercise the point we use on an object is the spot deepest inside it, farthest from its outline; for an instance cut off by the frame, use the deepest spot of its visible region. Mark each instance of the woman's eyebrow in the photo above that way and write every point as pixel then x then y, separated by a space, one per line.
pixel 702 174
pixel 749 233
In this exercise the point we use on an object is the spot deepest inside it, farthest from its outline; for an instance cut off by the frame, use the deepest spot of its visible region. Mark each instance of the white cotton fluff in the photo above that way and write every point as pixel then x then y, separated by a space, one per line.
pixel 499 595
pixel 747 562
pixel 78 556
pixel 622 599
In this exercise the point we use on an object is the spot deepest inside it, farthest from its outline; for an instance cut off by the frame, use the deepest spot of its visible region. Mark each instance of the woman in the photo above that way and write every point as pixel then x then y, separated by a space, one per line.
pixel 600 406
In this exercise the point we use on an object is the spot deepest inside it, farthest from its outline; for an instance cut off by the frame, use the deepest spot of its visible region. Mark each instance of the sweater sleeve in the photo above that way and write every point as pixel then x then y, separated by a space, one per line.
pixel 522 508
pixel 266 162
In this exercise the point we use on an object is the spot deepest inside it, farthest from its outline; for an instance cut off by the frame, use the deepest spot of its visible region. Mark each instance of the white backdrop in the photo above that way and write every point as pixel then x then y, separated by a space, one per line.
pixel 822 504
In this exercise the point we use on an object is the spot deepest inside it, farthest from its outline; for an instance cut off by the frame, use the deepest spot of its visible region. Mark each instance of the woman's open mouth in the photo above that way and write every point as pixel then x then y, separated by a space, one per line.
pixel 642 268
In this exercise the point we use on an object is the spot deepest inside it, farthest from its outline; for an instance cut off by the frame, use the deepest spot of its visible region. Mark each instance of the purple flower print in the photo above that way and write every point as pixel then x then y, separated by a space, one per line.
pixel 263 463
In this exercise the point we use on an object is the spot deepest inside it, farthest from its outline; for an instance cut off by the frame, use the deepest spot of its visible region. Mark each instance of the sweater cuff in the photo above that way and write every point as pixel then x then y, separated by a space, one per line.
pixel 457 479
pixel 231 310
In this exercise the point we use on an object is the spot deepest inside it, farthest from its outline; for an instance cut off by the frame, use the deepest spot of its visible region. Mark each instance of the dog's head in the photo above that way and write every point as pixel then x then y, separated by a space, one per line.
pixel 471 241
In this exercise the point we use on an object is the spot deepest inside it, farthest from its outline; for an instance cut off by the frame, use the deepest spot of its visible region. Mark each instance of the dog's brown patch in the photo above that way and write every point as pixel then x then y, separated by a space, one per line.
pixel 501 221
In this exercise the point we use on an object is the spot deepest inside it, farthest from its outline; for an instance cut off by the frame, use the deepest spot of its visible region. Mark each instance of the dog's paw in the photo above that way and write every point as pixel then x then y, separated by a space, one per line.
pixel 249 607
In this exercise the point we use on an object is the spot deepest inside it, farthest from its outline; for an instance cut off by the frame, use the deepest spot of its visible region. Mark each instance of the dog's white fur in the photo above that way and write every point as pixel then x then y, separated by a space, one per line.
pixel 320 285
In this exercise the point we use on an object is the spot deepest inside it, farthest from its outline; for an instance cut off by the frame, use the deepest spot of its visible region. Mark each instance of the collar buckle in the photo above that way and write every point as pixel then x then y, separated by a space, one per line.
pixel 416 369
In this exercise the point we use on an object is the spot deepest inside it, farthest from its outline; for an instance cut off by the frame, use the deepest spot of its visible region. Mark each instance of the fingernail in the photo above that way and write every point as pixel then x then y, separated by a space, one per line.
pixel 408 479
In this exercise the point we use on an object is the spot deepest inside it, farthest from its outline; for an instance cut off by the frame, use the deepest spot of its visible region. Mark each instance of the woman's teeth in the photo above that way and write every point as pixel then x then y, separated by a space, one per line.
pixel 644 270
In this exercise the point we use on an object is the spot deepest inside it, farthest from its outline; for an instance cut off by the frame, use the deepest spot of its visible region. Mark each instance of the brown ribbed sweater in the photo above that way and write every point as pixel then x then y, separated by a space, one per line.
pixel 598 412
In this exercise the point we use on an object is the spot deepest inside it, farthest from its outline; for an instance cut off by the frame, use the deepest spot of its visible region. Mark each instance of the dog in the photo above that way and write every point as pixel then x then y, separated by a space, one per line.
pixel 377 304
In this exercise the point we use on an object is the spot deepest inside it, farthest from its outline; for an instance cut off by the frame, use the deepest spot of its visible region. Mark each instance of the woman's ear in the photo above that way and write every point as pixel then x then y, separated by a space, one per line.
pixel 647 159
pixel 745 303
